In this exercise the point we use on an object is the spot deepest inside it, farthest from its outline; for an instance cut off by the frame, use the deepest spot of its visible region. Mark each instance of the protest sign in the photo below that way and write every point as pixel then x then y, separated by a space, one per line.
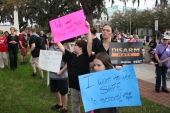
pixel 68 26
pixel 126 53
pixel 50 60
pixel 110 88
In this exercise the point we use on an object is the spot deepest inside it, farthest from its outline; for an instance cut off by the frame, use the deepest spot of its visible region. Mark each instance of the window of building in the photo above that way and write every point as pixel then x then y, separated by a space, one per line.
pixel 141 32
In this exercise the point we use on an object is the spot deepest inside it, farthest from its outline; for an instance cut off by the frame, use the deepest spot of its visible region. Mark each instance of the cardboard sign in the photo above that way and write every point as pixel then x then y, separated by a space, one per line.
pixel 110 88
pixel 50 60
pixel 68 26
pixel 126 53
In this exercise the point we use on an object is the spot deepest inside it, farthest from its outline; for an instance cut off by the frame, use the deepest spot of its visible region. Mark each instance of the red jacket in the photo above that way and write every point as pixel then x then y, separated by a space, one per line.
pixel 3 43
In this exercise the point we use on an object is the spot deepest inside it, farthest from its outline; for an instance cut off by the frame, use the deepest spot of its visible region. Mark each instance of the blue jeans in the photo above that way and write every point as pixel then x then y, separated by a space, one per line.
pixel 161 73
pixel 122 40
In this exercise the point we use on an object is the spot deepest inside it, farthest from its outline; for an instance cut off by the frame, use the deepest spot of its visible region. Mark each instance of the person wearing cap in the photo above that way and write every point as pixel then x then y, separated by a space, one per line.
pixel 131 39
pixel 163 64
pixel 3 50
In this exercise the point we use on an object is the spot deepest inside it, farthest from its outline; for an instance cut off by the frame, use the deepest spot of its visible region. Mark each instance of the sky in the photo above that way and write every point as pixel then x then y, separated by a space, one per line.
pixel 143 5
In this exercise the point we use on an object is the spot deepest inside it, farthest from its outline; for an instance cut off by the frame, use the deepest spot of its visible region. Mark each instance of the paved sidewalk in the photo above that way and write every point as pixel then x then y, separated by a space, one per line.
pixel 146 80
pixel 147 91
pixel 147 72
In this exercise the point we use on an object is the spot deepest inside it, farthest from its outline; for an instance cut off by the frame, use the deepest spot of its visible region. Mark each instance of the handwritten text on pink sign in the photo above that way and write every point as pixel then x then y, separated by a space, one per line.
pixel 68 26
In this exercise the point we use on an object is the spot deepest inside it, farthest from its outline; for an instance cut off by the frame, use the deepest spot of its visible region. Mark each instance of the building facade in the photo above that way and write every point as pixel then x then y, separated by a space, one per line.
pixel 6 27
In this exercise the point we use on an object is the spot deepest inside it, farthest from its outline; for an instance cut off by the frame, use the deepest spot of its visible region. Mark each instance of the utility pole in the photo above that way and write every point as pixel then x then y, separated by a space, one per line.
pixel 130 24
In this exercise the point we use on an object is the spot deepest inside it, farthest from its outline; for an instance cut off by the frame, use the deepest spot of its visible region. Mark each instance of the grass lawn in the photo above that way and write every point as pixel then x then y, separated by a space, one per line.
pixel 22 93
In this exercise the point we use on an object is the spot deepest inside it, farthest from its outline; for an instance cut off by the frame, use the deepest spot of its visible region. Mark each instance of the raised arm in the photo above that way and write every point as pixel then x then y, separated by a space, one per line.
pixel 89 40
pixel 61 47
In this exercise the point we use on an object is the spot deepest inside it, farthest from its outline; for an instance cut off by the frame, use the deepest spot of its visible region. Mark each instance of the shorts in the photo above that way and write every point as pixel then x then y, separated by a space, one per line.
pixel 23 51
pixel 60 86
pixel 3 55
pixel 35 61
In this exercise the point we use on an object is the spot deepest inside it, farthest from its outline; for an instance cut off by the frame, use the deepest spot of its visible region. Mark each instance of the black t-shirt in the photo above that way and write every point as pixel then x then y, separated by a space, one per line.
pixel 12 38
pixel 152 44
pixel 76 66
pixel 36 51
pixel 45 38
pixel 102 49
pixel 96 43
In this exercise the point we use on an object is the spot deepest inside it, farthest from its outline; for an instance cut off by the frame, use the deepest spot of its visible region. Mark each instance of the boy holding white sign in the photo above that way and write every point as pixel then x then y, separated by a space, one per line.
pixel 58 84
pixel 77 64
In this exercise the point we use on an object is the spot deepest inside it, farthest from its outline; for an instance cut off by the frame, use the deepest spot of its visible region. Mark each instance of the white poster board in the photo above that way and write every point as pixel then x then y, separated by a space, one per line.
pixel 50 60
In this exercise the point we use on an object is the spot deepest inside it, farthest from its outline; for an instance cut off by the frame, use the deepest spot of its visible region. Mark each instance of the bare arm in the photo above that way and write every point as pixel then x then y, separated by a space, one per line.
pixel 47 42
pixel 32 48
pixel 61 47
pixel 89 40
pixel 166 60
pixel 21 44
pixel 157 58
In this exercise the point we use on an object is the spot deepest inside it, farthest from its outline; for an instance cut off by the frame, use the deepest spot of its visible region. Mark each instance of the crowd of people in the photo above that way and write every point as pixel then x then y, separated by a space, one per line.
pixel 91 54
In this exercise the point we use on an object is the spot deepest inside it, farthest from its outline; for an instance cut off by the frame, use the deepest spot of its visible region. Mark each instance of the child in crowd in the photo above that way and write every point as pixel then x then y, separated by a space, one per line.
pixel 58 83
pixel 102 62
pixel 77 64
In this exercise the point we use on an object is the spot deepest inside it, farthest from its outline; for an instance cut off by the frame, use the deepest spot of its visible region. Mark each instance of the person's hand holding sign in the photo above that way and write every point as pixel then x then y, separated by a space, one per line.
pixel 88 25
pixel 118 67
pixel 59 73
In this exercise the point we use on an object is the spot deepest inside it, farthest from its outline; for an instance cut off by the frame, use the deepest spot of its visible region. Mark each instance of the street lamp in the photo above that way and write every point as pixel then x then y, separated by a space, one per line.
pixel 130 24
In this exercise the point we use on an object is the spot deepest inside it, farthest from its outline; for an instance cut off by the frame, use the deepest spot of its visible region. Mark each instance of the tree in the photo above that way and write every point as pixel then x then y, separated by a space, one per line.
pixel 143 19
pixel 91 7
pixel 39 14
pixel 162 2
pixel 41 11
pixel 162 15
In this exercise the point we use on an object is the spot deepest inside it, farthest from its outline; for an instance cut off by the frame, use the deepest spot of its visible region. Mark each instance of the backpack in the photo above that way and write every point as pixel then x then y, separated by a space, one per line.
pixel 40 43
pixel 147 38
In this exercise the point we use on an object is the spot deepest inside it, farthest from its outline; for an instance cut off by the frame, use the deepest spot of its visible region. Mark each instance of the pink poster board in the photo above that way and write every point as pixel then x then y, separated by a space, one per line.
pixel 68 26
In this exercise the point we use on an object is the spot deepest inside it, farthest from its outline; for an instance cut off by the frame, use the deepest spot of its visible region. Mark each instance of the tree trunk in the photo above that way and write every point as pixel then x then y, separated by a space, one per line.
pixel 89 18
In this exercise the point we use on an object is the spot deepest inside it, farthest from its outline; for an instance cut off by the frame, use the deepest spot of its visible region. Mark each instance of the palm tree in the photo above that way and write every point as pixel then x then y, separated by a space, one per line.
pixel 90 6
pixel 162 2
